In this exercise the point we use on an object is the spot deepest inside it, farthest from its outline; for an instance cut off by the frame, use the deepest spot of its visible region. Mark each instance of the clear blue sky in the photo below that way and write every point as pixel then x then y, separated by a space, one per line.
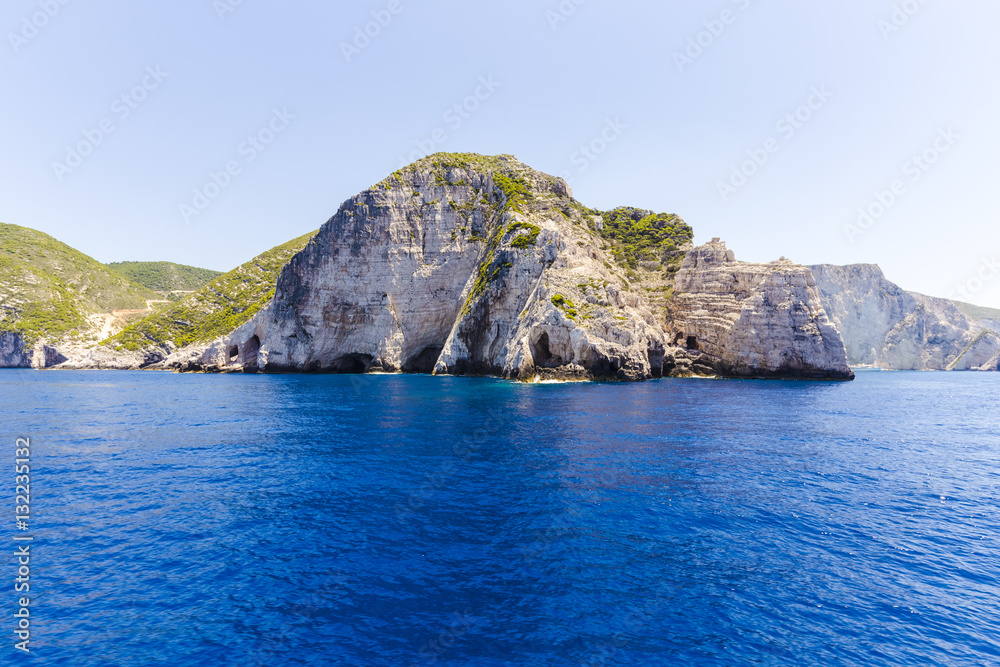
pixel 666 123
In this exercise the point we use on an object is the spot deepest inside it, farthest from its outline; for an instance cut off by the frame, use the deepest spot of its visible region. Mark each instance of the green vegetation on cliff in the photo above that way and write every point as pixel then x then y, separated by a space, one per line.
pixel 515 191
pixel 523 241
pixel 567 306
pixel 470 161
pixel 507 172
pixel 978 313
pixel 47 289
pixel 216 309
pixel 166 276
pixel 638 235
pixel 640 244
pixel 634 235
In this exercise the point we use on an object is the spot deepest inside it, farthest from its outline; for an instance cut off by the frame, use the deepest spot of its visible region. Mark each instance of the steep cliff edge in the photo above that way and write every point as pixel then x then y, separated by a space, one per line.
pixel 754 320
pixel 466 264
pixel 888 327
pixel 458 264
pixel 14 351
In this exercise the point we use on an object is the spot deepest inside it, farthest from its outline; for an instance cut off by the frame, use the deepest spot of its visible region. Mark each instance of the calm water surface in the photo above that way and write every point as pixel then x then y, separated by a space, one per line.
pixel 408 520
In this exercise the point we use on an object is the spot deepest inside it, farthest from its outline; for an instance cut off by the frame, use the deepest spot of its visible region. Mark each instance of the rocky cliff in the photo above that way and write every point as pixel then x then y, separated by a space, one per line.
pixel 887 327
pixel 755 319
pixel 14 351
pixel 464 264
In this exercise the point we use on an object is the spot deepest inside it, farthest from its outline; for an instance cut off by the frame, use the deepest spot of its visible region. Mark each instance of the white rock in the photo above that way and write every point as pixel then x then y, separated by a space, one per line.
pixel 887 327
pixel 754 320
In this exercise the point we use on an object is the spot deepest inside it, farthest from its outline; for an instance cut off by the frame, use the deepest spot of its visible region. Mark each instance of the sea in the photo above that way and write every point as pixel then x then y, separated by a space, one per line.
pixel 190 519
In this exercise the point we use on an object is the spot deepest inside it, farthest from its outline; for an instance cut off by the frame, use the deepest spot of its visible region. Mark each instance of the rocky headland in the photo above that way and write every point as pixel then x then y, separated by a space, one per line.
pixel 755 319
pixel 472 265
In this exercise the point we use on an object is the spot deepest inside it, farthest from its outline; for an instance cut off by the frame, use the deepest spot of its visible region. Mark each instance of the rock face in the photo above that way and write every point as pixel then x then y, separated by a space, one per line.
pixel 888 327
pixel 46 356
pixel 989 323
pixel 484 266
pixel 438 271
pixel 14 353
pixel 755 319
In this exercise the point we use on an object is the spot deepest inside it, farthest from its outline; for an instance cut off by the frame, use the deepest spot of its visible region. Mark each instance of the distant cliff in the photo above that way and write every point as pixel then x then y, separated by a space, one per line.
pixel 888 327
pixel 466 264
pixel 59 307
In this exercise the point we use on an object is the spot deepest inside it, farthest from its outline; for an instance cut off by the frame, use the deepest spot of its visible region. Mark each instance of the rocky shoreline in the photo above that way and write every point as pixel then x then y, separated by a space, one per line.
pixel 440 269
pixel 469 265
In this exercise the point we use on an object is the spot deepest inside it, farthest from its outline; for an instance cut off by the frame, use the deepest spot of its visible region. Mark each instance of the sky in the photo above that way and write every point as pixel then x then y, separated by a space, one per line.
pixel 207 131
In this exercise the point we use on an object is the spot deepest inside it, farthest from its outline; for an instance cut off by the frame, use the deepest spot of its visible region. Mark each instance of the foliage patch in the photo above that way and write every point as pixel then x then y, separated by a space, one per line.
pixel 215 310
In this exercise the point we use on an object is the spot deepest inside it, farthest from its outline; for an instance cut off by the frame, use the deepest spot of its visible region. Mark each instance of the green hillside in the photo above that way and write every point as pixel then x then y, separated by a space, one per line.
pixel 978 312
pixel 216 309
pixel 47 289
pixel 166 276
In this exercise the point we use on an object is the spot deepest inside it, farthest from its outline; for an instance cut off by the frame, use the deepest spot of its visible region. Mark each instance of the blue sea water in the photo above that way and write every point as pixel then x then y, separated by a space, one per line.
pixel 412 520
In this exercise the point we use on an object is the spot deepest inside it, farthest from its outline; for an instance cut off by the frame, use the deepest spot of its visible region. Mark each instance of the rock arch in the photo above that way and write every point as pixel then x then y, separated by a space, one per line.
pixel 352 364
pixel 248 355
pixel 543 355
pixel 424 360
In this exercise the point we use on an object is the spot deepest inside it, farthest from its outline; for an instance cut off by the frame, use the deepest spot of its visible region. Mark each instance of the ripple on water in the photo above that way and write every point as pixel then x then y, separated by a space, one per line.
pixel 397 520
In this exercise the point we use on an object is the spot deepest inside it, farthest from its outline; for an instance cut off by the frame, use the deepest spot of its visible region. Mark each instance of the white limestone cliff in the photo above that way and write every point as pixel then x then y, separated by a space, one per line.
pixel 887 327
pixel 14 352
pixel 451 270
pixel 755 319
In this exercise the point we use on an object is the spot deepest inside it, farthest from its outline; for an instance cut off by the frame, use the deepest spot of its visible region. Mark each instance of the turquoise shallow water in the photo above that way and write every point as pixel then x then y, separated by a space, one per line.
pixel 398 520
